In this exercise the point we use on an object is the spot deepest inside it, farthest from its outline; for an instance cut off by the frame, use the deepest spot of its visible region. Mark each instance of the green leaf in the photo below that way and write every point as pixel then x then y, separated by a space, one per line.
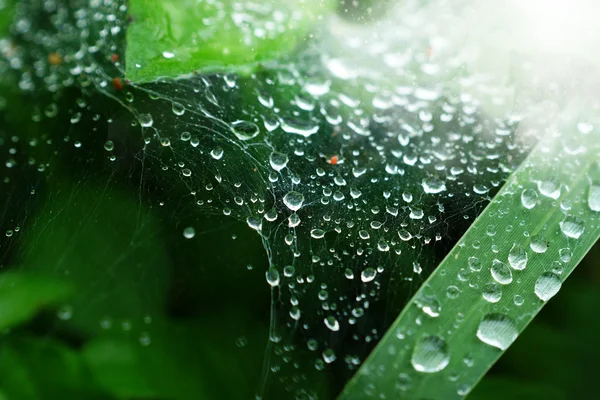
pixel 6 15
pixel 174 37
pixel 502 388
pixel 34 368
pixel 23 295
pixel 546 210
pixel 122 283
pixel 183 360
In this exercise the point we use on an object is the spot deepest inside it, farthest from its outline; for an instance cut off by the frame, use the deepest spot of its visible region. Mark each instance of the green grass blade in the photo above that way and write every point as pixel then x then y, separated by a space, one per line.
pixel 540 212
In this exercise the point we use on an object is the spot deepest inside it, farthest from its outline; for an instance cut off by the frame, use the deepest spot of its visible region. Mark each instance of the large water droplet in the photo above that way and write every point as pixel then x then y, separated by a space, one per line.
pixel 293 200
pixel 146 120
pixel 572 226
pixel 517 257
pixel 272 276
pixel 245 130
pixel 539 244
pixel 433 185
pixel 594 198
pixel 332 323
pixel 501 273
pixel 497 330
pixel 547 285
pixel 529 198
pixel 368 274
pixel 431 354
pixel 492 292
pixel 278 160
pixel 549 188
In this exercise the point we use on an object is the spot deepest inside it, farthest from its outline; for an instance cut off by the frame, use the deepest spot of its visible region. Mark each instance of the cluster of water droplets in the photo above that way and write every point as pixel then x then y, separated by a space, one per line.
pixel 354 176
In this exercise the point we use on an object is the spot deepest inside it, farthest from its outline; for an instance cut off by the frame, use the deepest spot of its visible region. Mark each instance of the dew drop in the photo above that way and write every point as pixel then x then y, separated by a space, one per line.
pixel 517 257
pixel 293 200
pixel 572 226
pixel 217 153
pixel 146 120
pixel 178 108
pixel 497 330
pixel 431 354
pixel 332 324
pixel 501 273
pixel 538 244
pixel 272 276
pixel 109 145
pixel 317 233
pixel 278 160
pixel 433 185
pixel 594 198
pixel 245 130
pixel 492 292
pixel 529 198
pixel 189 232
pixel 565 254
pixel 547 285
pixel 549 188
pixel 368 274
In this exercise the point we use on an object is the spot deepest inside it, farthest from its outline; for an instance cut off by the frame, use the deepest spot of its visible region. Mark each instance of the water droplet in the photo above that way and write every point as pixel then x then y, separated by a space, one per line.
pixel 497 330
pixel 594 198
pixel 547 285
pixel 474 264
pixel 492 292
pixel 433 185
pixel 272 276
pixel 539 244
pixel 517 257
pixel 368 274
pixel 245 130
pixel 431 354
pixel 278 160
pixel 518 300
pixel 109 145
pixel 178 108
pixel 549 188
pixel 529 198
pixel 572 226
pixel 217 153
pixel 254 223
pixel 317 233
pixel 146 120
pixel 565 255
pixel 189 232
pixel 501 273
pixel 332 323
pixel 293 200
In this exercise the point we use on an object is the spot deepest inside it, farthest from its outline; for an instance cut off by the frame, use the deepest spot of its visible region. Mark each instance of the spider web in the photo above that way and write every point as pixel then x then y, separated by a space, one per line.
pixel 358 161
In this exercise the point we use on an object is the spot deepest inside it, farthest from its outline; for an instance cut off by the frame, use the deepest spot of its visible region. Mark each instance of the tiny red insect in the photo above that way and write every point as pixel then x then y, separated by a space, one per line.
pixel 333 160
pixel 114 57
pixel 118 83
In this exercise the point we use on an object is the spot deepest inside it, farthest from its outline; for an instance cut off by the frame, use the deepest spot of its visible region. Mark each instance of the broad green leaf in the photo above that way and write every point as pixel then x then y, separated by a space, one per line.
pixel 184 360
pixel 42 368
pixel 510 262
pixel 121 283
pixel 23 295
pixel 502 388
pixel 174 37
pixel 6 14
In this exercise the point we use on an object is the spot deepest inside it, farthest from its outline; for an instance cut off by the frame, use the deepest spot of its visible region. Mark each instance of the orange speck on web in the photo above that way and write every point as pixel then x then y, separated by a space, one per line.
pixel 118 83
pixel 428 52
pixel 54 59
pixel 333 160
pixel 114 57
